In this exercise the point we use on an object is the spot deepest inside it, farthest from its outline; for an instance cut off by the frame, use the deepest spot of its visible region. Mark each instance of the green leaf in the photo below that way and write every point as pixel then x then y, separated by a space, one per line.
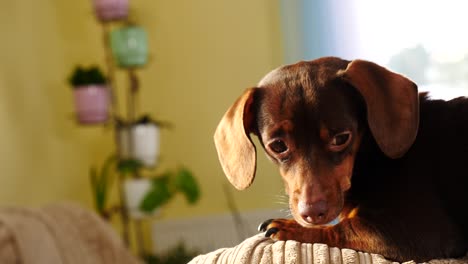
pixel 187 184
pixel 99 194
pixel 157 196
pixel 101 182
pixel 82 76
pixel 93 177
pixel 95 76
pixel 107 177
pixel 129 166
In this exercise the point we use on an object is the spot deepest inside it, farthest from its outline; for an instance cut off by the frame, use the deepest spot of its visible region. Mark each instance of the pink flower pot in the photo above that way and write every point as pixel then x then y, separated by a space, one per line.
pixel 92 103
pixel 109 10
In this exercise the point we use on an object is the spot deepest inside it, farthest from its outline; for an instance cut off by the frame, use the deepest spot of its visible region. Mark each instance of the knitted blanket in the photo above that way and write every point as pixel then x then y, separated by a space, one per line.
pixel 59 233
pixel 259 249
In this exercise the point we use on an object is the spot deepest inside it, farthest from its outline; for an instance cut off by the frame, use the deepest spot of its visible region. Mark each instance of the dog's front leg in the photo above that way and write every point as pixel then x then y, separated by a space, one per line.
pixel 349 233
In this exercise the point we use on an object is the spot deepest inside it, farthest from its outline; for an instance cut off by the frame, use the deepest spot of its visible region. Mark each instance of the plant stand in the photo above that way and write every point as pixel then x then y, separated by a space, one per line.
pixel 137 141
pixel 117 12
pixel 130 117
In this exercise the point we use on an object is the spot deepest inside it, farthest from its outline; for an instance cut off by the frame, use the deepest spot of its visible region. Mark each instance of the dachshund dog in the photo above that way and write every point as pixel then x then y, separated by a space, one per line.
pixel 367 162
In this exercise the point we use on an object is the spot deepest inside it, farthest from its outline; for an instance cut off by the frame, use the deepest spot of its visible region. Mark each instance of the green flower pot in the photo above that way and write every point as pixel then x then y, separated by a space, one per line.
pixel 130 46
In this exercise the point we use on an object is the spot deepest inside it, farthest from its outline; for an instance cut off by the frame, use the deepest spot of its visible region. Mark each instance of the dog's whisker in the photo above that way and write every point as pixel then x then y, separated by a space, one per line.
pixel 286 212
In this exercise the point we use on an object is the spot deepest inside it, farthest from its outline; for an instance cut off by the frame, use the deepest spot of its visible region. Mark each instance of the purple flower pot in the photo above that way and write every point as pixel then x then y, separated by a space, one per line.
pixel 109 10
pixel 92 103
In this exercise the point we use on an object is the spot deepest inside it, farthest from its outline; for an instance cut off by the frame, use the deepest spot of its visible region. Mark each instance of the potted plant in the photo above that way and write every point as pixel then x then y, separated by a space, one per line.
pixel 140 140
pixel 144 196
pixel 129 46
pixel 145 137
pixel 91 95
pixel 134 187
pixel 165 186
pixel 109 10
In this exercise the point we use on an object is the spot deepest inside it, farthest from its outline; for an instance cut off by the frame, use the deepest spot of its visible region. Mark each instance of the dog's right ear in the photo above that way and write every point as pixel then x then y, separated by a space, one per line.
pixel 236 152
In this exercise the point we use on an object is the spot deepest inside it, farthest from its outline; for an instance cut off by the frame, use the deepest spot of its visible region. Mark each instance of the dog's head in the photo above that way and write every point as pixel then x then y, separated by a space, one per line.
pixel 310 119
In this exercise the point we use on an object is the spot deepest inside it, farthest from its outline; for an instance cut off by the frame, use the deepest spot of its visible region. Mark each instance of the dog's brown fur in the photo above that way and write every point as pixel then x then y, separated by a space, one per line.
pixel 345 137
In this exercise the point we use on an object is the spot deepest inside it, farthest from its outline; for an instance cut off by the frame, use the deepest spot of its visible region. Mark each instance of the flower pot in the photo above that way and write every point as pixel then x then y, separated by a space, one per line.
pixel 91 103
pixel 109 10
pixel 141 142
pixel 145 139
pixel 130 46
pixel 135 190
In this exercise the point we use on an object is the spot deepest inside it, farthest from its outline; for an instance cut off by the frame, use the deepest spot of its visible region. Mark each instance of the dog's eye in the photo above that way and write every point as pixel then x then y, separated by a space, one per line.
pixel 340 141
pixel 278 146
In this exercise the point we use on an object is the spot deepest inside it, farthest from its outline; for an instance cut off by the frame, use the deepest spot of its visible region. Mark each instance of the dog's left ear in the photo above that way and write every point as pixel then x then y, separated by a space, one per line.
pixel 236 152
pixel 392 105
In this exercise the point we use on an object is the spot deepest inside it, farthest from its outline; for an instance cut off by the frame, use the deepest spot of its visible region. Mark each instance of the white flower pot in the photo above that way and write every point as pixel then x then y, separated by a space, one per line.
pixel 145 143
pixel 141 142
pixel 135 190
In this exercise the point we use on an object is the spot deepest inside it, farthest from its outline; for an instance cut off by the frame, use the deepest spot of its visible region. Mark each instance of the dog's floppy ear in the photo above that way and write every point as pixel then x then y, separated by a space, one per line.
pixel 392 105
pixel 236 151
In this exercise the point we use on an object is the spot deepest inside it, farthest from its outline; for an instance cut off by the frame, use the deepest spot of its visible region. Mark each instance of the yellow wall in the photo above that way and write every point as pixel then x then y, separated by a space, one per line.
pixel 203 55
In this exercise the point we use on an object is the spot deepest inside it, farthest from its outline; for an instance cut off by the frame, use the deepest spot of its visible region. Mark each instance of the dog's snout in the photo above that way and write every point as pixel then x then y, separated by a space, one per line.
pixel 314 213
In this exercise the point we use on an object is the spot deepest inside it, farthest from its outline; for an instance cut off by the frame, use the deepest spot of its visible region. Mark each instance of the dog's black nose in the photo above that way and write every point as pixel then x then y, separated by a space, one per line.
pixel 315 213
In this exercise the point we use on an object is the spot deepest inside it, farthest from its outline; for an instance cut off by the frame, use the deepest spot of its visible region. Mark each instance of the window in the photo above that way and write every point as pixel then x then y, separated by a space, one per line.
pixel 425 40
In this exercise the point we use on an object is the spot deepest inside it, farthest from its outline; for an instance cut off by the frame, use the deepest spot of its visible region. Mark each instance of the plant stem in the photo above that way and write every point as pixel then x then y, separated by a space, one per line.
pixel 124 211
pixel 139 235
pixel 110 71
pixel 241 227
pixel 132 91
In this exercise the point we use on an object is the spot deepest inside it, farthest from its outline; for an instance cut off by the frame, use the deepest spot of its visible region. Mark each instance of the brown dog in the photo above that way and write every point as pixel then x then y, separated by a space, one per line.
pixel 367 163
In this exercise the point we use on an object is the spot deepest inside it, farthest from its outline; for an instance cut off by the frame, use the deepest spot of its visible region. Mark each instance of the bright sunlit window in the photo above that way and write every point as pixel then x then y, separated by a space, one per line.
pixel 427 40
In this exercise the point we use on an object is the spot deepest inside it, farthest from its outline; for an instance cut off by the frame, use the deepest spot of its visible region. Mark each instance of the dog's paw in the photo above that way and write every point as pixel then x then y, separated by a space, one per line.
pixel 280 229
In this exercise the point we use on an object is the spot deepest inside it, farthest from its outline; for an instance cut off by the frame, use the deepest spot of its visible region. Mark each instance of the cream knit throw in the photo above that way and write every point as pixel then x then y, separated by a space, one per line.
pixel 259 249
pixel 59 234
